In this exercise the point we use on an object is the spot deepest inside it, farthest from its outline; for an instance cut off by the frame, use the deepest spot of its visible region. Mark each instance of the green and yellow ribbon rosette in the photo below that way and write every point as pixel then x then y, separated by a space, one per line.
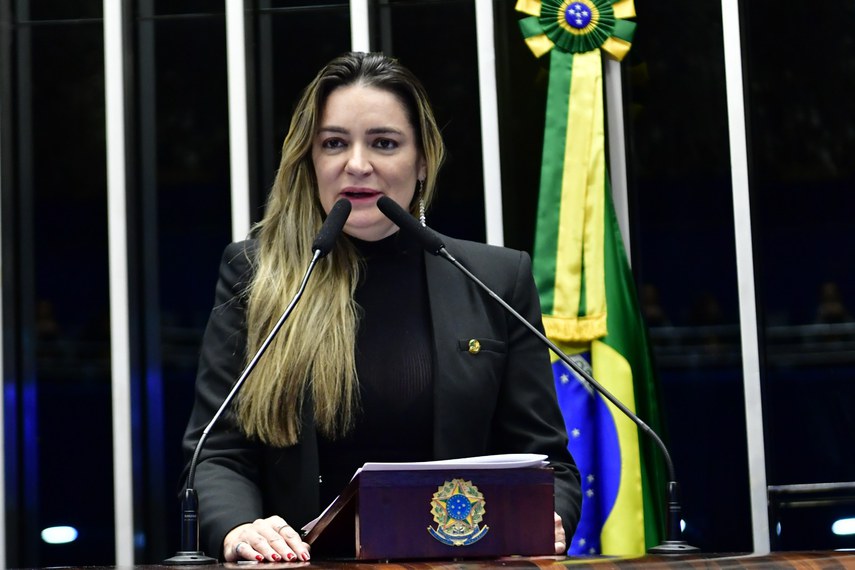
pixel 569 248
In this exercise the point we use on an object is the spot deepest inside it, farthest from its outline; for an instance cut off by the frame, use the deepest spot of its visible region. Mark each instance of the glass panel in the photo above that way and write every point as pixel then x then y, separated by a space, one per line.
pixel 183 211
pixel 683 255
pixel 802 140
pixel 196 7
pixel 60 9
pixel 521 81
pixel 448 67
pixel 285 4
pixel 317 35
pixel 59 397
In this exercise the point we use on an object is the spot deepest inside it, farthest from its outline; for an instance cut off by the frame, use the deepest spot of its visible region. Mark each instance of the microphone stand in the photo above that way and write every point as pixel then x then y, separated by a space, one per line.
pixel 190 553
pixel 433 244
pixel 673 544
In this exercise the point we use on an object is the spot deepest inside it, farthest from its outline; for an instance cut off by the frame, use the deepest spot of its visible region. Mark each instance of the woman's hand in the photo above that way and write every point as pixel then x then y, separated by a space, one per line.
pixel 269 539
pixel 560 537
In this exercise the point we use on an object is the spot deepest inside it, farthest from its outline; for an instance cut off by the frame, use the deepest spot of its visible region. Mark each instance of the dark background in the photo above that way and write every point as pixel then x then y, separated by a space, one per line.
pixel 799 77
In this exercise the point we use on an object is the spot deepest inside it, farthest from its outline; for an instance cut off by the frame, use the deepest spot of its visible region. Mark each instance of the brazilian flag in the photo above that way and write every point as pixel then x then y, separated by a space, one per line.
pixel 587 291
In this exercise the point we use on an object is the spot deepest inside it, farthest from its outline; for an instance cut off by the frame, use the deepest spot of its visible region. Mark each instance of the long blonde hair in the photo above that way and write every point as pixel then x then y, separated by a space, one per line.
pixel 313 354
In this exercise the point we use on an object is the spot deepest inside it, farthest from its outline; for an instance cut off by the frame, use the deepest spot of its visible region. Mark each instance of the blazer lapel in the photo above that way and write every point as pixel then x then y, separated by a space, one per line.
pixel 461 425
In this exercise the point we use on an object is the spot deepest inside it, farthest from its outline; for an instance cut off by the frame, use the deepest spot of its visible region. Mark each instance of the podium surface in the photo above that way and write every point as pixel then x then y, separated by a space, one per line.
pixel 776 560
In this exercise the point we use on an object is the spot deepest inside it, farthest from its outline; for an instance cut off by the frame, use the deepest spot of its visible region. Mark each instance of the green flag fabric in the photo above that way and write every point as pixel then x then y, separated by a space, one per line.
pixel 587 291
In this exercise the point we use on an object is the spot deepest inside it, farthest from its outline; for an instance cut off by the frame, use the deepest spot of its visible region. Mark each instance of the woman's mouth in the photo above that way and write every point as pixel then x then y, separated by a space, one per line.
pixel 360 193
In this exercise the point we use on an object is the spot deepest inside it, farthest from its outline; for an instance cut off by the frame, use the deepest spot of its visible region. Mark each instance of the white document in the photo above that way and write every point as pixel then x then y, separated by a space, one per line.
pixel 503 461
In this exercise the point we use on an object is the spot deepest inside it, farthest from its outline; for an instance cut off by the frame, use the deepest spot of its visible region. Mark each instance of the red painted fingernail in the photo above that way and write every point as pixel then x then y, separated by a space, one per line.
pixel 276 557
pixel 305 556
pixel 259 557
pixel 289 556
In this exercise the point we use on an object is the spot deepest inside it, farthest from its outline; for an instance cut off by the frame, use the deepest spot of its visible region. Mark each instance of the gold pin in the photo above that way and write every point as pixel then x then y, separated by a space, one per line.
pixel 474 346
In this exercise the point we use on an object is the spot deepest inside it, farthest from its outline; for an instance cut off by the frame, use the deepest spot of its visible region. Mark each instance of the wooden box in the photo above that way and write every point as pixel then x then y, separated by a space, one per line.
pixel 442 513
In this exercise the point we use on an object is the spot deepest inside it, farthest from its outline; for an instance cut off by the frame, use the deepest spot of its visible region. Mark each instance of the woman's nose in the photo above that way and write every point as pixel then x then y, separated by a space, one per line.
pixel 358 162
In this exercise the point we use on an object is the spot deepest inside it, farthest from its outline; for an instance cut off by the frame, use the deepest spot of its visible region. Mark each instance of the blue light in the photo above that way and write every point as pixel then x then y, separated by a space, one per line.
pixel 59 534
pixel 843 527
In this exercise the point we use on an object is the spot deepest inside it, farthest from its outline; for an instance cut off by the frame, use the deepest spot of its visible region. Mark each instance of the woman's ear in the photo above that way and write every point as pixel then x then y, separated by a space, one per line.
pixel 422 169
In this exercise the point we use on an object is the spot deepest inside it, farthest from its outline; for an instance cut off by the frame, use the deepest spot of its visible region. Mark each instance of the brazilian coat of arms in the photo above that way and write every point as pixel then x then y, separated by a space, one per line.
pixel 458 508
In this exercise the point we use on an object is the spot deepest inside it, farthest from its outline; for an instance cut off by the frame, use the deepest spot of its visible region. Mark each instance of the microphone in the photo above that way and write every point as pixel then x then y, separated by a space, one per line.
pixel 428 239
pixel 331 228
pixel 433 244
pixel 190 553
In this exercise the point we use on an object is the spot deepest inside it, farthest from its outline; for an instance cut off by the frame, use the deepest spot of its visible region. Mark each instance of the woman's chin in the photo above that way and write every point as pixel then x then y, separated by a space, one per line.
pixel 370 231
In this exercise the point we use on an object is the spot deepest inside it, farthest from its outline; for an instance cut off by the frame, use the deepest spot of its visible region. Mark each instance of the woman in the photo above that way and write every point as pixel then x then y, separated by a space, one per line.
pixel 374 363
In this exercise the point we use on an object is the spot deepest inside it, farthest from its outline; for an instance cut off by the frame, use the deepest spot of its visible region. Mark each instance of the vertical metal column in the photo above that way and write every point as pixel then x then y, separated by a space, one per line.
pixel 616 140
pixel 119 297
pixel 745 275
pixel 488 103
pixel 238 129
pixel 360 39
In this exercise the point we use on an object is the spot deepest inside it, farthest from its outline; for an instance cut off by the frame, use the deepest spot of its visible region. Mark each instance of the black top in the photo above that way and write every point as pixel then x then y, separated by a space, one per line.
pixel 393 363
pixel 500 399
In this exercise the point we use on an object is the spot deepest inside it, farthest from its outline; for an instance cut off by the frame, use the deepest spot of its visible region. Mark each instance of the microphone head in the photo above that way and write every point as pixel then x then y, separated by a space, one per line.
pixel 332 226
pixel 427 238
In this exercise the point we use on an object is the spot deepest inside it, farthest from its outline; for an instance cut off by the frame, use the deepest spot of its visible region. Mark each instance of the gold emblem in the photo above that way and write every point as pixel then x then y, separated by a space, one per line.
pixel 474 346
pixel 458 508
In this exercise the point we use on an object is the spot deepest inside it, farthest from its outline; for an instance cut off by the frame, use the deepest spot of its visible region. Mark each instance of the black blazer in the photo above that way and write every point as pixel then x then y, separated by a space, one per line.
pixel 500 400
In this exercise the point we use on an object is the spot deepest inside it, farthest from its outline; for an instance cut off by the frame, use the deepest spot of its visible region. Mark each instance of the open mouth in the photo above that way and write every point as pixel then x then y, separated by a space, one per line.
pixel 359 194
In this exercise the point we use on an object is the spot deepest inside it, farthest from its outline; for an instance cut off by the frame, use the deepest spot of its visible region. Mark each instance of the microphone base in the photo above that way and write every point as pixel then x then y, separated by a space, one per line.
pixel 674 547
pixel 189 558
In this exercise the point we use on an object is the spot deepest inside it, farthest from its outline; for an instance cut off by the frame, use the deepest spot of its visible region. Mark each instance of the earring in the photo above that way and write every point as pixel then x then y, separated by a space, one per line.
pixel 421 204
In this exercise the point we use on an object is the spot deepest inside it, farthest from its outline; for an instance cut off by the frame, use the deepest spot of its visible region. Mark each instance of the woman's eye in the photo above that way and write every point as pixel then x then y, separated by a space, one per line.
pixel 385 144
pixel 332 143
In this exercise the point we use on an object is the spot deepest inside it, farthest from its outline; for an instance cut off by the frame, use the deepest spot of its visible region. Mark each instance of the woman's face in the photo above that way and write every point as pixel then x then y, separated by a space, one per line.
pixel 364 148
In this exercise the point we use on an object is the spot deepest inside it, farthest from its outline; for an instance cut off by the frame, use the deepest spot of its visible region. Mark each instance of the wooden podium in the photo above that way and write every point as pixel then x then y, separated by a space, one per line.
pixel 442 513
